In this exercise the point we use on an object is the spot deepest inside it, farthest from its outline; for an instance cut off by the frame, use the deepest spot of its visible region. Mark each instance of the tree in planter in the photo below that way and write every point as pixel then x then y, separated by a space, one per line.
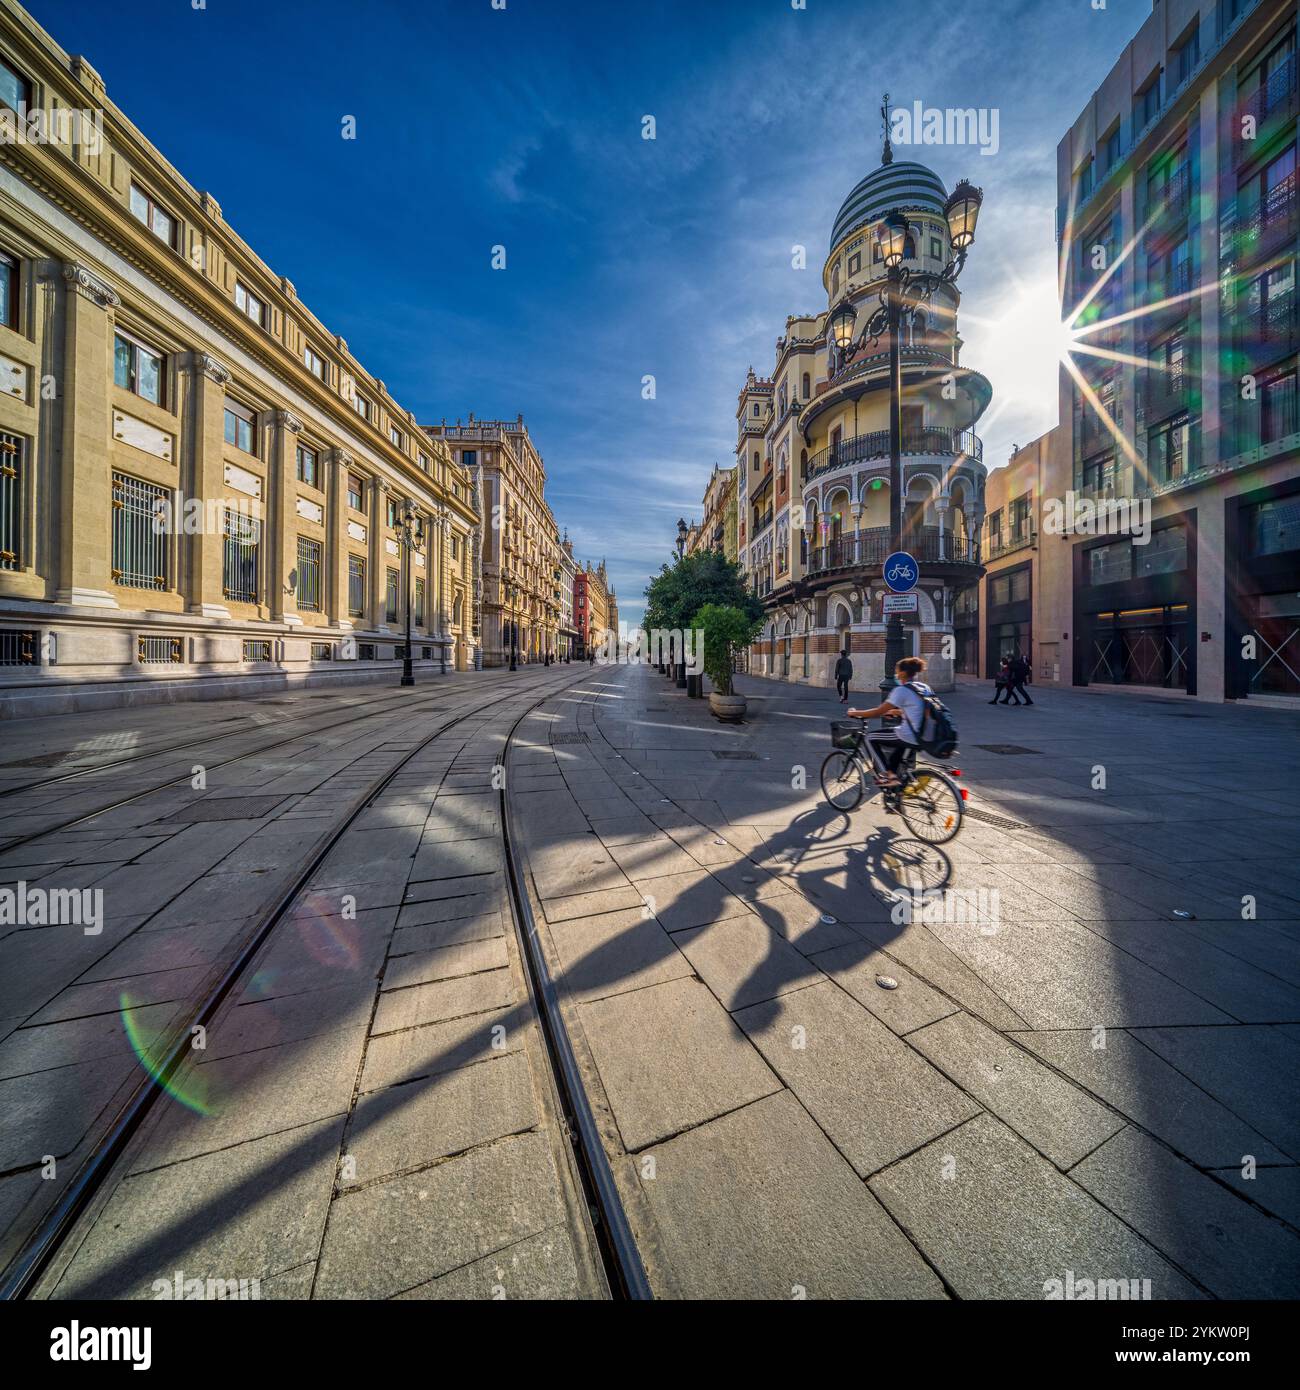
pixel 678 592
pixel 726 631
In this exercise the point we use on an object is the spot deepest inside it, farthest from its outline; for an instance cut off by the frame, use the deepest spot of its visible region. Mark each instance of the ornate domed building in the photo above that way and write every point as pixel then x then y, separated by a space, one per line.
pixel 813 454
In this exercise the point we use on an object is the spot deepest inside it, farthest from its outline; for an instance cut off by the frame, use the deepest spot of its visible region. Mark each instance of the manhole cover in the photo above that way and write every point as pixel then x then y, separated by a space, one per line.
pixel 568 738
pixel 1006 748
pixel 228 808
pixel 738 757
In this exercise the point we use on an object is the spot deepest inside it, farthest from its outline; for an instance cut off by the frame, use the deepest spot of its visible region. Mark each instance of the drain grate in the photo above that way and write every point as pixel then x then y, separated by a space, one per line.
pixel 228 808
pixel 569 738
pixel 736 757
pixel 1006 748
pixel 1000 822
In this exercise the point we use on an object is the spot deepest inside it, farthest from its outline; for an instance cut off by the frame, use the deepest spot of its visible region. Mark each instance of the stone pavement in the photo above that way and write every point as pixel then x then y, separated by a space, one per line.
pixel 1089 1065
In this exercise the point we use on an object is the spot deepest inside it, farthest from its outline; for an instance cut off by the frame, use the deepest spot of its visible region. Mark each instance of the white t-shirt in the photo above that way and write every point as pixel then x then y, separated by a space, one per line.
pixel 909 701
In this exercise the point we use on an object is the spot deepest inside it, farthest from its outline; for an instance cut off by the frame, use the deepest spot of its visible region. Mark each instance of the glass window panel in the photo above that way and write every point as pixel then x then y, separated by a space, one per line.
pixel 162 225
pixel 122 363
pixel 1164 553
pixel 1275 526
pixel 1109 563
pixel 149 376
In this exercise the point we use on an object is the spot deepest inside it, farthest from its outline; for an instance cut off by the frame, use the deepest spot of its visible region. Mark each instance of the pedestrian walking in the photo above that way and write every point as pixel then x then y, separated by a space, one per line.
pixel 1021 670
pixel 843 675
pixel 1002 683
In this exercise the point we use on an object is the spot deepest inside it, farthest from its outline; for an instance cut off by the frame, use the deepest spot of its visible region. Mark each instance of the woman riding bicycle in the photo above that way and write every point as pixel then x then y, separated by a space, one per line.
pixel 893 748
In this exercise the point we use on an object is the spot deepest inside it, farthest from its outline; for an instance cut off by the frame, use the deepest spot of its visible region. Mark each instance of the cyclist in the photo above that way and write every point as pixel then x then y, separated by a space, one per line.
pixel 891 748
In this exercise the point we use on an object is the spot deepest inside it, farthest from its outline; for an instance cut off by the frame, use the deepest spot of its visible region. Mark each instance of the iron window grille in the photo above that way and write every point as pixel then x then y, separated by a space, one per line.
pixel 418 615
pixel 322 651
pixel 13 472
pixel 243 542
pixel 257 650
pixel 139 546
pixel 356 586
pixel 365 651
pixel 19 647
pixel 155 650
pixel 309 574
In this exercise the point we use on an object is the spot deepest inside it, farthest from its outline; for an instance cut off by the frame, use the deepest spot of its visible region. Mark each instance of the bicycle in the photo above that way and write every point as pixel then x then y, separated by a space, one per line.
pixel 930 802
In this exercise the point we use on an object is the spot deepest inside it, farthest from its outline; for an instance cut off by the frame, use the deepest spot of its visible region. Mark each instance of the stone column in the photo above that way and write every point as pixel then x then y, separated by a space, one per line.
pixel 335 597
pixel 941 516
pixel 282 516
pixel 378 556
pixel 205 477
pixel 85 385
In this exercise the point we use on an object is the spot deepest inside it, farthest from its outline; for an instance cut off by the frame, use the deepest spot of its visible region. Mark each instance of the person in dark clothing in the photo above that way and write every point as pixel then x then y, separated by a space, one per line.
pixel 843 675
pixel 1003 683
pixel 1021 670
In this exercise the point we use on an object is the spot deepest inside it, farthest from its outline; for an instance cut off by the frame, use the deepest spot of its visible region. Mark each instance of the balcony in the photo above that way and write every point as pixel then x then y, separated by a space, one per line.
pixel 1275 97
pixel 1165 393
pixel 1269 333
pixel 762 585
pixel 761 523
pixel 870 549
pixel 1020 539
pixel 929 439
pixel 1270 226
pixel 1171 202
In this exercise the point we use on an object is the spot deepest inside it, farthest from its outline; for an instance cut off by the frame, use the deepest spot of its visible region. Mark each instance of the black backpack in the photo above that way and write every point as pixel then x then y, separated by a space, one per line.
pixel 938 731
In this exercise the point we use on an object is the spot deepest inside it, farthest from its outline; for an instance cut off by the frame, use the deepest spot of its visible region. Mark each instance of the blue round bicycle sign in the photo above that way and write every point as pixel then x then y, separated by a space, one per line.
pixel 901 572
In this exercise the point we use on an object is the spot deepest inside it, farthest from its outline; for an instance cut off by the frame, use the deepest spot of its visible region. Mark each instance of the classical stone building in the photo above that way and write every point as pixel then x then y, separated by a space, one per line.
pixel 595 606
pixel 1179 230
pixel 520 539
pixel 812 456
pixel 569 637
pixel 717 531
pixel 202 490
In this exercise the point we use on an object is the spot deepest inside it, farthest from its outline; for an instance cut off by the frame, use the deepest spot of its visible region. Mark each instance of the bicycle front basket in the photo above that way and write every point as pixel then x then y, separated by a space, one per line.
pixel 845 735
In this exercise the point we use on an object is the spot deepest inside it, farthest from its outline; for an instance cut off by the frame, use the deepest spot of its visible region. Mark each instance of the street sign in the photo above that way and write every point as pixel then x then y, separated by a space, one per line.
pixel 899 603
pixel 901 572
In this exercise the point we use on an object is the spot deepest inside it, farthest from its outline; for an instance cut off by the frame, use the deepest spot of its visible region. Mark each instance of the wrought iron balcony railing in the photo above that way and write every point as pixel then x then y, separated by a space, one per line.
pixel 871 548
pixel 929 439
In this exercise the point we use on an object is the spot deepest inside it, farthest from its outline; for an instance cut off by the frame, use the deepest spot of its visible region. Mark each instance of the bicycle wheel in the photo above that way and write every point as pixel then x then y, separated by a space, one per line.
pixel 931 806
pixel 842 780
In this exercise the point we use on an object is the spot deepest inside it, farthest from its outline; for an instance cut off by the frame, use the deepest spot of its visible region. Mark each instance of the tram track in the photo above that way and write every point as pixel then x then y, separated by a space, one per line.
pixel 589 1171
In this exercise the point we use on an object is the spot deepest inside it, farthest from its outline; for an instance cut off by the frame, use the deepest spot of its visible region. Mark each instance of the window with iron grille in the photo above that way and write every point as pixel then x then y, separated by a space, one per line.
pixel 418 616
pixel 139 547
pixel 390 597
pixel 151 650
pixel 356 586
pixel 1168 447
pixel 309 572
pixel 13 463
pixel 426 653
pixel 256 650
pixel 365 651
pixel 19 647
pixel 322 651
pixel 1279 416
pixel 239 559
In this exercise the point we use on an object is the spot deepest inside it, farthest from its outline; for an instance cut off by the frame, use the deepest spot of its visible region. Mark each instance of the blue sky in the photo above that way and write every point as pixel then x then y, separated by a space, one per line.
pixel 625 257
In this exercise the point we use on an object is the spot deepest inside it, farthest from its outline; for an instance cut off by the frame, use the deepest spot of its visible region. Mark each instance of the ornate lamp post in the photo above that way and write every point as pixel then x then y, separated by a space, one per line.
pixel 682 532
pixel 904 291
pixel 510 593
pixel 411 533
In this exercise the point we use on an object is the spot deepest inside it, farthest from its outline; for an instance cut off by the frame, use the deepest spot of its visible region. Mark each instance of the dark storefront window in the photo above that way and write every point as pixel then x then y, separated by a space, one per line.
pixel 1274 527
pixel 1144 646
pixel 1108 563
pixel 1164 553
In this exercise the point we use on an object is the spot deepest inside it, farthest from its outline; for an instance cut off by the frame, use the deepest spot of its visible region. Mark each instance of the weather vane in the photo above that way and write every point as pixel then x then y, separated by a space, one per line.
pixel 887 157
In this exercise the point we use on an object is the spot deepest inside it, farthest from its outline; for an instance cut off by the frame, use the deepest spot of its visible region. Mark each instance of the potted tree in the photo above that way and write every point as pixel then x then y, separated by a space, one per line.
pixel 678 592
pixel 726 631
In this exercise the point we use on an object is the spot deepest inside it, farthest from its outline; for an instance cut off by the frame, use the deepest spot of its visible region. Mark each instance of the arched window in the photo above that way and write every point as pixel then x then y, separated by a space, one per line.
pixel 909 248
pixel 835 280
pixel 807 387
pixel 803 462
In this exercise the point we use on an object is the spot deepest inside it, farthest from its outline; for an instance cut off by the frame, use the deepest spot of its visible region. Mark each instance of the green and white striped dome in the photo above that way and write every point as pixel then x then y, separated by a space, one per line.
pixel 902 185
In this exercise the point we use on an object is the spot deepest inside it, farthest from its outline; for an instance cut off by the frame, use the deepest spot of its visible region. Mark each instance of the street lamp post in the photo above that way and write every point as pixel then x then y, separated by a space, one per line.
pixel 412 535
pixel 682 532
pixel 905 290
pixel 441 521
pixel 510 599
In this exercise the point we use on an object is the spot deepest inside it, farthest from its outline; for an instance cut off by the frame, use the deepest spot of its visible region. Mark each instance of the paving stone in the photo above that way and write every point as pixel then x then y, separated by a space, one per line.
pixel 470 905
pixel 1226 1245
pixel 1058 1119
pixel 249 1094
pixel 50 1112
pixel 792 916
pixel 998 1221
pixel 430 936
pixel 748 881
pixel 457 858
pixel 314 953
pixel 369 856
pixel 444 999
pixel 238 1214
pixel 42 1047
pixel 1142 1086
pixel 573 865
pixel 625 830
pixel 733 1225
pixel 395 1235
pixel 446 963
pixel 432 890
pixel 590 904
pixel 874 1096
pixel 541 1267
pixel 436 1047
pixel 669 1058
pixel 743 961
pixel 447 1112
pixel 285 1018
pixel 683 901
pixel 1275 1189
pixel 613 953
pixel 1254 1071
pixel 911 1005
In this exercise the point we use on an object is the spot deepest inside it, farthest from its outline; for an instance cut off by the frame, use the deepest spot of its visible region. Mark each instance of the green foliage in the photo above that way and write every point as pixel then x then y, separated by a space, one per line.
pixel 678 592
pixel 726 630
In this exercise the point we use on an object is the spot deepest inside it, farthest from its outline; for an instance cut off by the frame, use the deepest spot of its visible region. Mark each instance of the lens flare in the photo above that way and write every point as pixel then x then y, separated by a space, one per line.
pixel 193 1094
